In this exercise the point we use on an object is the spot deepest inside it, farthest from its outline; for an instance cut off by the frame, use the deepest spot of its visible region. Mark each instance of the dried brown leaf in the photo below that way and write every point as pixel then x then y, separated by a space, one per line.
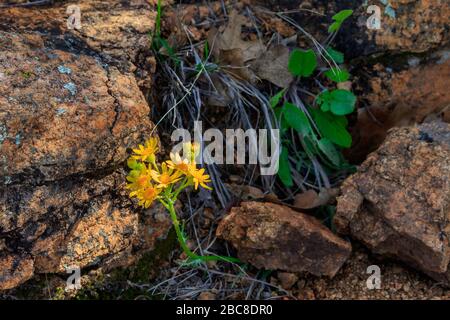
pixel 231 38
pixel 231 51
pixel 273 66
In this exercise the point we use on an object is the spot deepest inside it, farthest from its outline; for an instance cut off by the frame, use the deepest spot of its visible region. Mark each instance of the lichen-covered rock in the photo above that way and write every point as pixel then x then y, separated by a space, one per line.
pixel 70 110
pixel 86 222
pixel 63 113
pixel 14 270
pixel 411 25
pixel 398 202
pixel 273 236
pixel 118 31
pixel 405 26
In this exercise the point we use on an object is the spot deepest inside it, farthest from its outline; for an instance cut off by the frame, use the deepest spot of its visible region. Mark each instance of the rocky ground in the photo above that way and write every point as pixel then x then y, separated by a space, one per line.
pixel 74 101
pixel 398 282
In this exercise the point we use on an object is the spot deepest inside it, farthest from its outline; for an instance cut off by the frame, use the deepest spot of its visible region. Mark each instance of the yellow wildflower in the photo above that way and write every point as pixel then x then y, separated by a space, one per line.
pixel 178 163
pixel 138 179
pixel 147 196
pixel 143 152
pixel 199 178
pixel 167 176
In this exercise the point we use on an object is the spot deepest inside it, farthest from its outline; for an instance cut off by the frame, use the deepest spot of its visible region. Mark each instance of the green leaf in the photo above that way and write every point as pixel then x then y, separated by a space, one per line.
pixel 337 75
pixel 337 56
pixel 206 51
pixel 340 102
pixel 158 18
pixel 329 150
pixel 310 144
pixel 334 27
pixel 275 100
pixel 339 18
pixel 343 102
pixel 284 169
pixel 283 125
pixel 342 120
pixel 332 127
pixel 342 15
pixel 302 63
pixel 296 118
pixel 324 100
pixel 159 43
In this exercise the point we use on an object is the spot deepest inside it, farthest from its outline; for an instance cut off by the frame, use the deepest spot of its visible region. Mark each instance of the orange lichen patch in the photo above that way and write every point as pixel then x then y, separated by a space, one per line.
pixel 416 27
pixel 99 233
pixel 14 270
pixel 273 236
pixel 105 232
pixel 63 132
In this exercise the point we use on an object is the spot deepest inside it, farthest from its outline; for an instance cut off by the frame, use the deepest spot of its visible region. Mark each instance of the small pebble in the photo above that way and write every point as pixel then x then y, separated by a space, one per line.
pixel 287 280
pixel 206 295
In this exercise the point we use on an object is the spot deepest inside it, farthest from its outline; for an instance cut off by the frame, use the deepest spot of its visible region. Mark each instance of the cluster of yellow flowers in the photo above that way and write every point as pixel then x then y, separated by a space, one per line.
pixel 148 180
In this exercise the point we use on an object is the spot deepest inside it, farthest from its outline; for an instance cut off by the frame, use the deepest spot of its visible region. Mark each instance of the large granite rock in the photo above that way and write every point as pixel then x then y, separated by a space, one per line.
pixel 70 110
pixel 63 112
pixel 398 202
pixel 118 31
pixel 86 222
pixel 273 236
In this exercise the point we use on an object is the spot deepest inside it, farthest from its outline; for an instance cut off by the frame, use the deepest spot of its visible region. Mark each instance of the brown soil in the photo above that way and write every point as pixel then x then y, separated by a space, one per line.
pixel 398 282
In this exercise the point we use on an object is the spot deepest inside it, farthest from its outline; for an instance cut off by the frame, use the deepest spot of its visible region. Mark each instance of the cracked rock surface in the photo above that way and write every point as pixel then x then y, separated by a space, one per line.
pixel 70 108
pixel 63 113
pixel 398 202
pixel 273 236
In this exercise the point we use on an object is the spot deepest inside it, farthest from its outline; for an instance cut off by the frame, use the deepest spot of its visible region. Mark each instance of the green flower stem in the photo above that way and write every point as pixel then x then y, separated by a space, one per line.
pixel 169 205
pixel 183 185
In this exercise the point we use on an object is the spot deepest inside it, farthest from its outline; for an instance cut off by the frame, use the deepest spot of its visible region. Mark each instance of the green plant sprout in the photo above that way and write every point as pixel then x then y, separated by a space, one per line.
pixel 322 127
